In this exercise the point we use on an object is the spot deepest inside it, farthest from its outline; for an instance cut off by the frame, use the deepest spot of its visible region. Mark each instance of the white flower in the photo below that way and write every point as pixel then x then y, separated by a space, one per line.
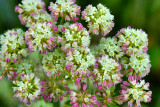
pixel 99 19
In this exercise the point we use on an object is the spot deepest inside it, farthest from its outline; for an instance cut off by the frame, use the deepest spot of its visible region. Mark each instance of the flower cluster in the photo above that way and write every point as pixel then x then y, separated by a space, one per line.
pixel 54 89
pixel 75 42
pixel 76 36
pixel 109 46
pixel 105 97
pixel 106 72
pixel 28 88
pixel 55 59
pixel 99 19
pixel 41 37
pixel 82 97
pixel 54 62
pixel 13 49
pixel 132 41
pixel 65 9
pixel 134 44
pixel 13 45
pixel 135 91
pixel 32 11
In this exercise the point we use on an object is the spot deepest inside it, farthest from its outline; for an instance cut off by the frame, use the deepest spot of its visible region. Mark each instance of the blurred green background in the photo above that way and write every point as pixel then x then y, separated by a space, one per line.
pixel 144 14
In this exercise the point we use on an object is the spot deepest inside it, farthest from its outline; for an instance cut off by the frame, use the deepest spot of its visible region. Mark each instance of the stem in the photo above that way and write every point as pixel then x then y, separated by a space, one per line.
pixel 62 19
pixel 88 83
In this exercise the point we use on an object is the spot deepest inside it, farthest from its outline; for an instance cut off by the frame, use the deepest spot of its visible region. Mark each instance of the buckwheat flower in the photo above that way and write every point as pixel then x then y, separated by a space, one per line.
pixel 140 64
pixel 41 37
pixel 107 98
pixel 132 41
pixel 28 88
pixel 99 19
pixel 7 68
pixel 76 36
pixel 65 9
pixel 54 62
pixel 32 11
pixel 135 92
pixel 109 46
pixel 13 45
pixel 78 63
pixel 75 41
pixel 106 72
pixel 54 89
pixel 81 97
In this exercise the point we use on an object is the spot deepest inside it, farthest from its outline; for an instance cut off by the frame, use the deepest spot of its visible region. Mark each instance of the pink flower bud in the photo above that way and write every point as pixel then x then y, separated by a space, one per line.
pixel 32 14
pixel 49 41
pixel 55 29
pixel 78 80
pixel 1 77
pixel 108 99
pixel 14 60
pixel 7 60
pixel 16 8
pixel 84 86
pixel 55 19
pixel 63 29
pixel 84 105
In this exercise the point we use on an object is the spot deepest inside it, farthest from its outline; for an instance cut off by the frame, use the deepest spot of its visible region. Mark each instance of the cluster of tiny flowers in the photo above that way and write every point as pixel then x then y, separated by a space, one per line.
pixel 55 60
pixel 32 11
pixel 13 49
pixel 82 97
pixel 28 88
pixel 76 36
pixel 134 44
pixel 106 72
pixel 75 42
pixel 65 9
pixel 109 47
pixel 105 98
pixel 78 62
pixel 41 37
pixel 99 19
pixel 132 41
pixel 134 91
pixel 54 89
pixel 140 64
pixel 13 45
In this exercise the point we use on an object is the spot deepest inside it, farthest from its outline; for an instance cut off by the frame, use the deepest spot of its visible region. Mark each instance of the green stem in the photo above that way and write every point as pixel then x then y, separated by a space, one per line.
pixel 62 19
pixel 88 83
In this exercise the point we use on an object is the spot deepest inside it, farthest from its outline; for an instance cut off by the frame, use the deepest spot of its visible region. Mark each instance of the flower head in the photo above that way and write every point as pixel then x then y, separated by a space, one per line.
pixel 13 50
pixel 28 89
pixel 54 89
pixel 64 9
pixel 32 11
pixel 132 41
pixel 134 91
pixel 137 65
pixel 99 19
pixel 82 97
pixel 13 45
pixel 106 72
pixel 41 37
pixel 110 47
pixel 76 36
pixel 54 62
